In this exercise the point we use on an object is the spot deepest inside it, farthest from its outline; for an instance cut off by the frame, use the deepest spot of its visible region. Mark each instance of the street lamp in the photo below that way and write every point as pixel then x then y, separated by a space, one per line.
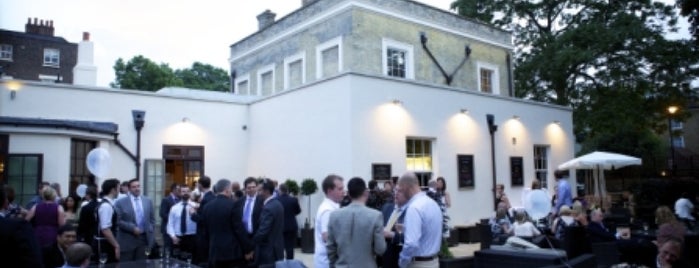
pixel 672 110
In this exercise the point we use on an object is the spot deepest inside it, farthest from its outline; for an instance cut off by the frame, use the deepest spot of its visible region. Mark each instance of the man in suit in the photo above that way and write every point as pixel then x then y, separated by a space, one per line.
pixel 228 242
pixel 252 206
pixel 19 244
pixel 78 255
pixel 355 232
pixel 54 255
pixel 108 222
pixel 393 215
pixel 269 237
pixel 180 227
pixel 291 227
pixel 87 223
pixel 201 255
pixel 164 213
pixel 596 230
pixel 136 222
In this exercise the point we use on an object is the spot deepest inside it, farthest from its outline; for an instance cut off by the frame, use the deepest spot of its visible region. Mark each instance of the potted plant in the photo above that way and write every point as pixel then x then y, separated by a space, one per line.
pixel 293 186
pixel 308 187
pixel 447 259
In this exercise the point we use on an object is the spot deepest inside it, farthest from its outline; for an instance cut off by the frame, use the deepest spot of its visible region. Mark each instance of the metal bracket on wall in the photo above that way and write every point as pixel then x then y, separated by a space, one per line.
pixel 448 77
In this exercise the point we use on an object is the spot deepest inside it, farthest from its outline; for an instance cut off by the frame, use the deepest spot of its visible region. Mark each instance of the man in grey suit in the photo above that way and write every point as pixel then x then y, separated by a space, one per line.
pixel 269 237
pixel 355 232
pixel 136 221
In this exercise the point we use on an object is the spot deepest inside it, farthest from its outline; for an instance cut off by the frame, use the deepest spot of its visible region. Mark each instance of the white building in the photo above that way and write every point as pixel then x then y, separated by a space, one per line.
pixel 334 87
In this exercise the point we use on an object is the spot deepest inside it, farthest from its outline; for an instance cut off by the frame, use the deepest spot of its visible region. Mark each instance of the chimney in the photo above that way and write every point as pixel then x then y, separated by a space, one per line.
pixel 265 19
pixel 39 27
pixel 85 71
pixel 307 2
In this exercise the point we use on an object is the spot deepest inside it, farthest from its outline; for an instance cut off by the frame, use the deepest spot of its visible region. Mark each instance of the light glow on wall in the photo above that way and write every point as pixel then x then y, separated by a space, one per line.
pixel 184 133
pixel 463 129
pixel 391 120
pixel 555 135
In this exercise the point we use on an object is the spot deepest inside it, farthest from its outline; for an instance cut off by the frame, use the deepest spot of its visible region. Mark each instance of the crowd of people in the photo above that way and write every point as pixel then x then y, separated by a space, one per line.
pixel 224 225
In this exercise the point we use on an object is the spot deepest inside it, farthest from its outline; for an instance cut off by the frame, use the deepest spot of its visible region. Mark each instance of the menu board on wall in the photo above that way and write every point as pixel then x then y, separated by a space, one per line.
pixel 464 164
pixel 381 172
pixel 516 174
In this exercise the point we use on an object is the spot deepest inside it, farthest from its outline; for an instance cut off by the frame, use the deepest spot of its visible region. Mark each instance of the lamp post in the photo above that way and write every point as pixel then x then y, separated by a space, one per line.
pixel 672 110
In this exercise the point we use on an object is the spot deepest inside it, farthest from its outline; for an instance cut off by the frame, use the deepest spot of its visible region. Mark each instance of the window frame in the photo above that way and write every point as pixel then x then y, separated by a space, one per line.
pixel 537 159
pixel 337 41
pixel 678 141
pixel 50 63
pixel 495 84
pixel 20 193
pixel 262 71
pixel 6 52
pixel 80 178
pixel 238 80
pixel 386 44
pixel 676 125
pixel 287 63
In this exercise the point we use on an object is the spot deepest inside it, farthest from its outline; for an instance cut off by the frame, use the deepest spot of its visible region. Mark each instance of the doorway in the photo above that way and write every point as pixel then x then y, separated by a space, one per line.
pixel 183 164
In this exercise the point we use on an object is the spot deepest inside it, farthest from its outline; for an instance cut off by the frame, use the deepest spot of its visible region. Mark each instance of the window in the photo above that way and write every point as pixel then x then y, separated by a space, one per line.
pixel 5 52
pixel 79 174
pixel 419 158
pixel 52 57
pixel 24 175
pixel 329 58
pixel 4 148
pixel 676 125
pixel 488 78
pixel 294 71
pixel 265 80
pixel 46 78
pixel 541 165
pixel 242 85
pixel 154 179
pixel 397 59
pixel 678 141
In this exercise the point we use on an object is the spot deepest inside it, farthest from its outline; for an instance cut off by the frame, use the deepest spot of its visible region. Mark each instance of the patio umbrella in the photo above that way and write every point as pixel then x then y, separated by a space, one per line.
pixel 598 162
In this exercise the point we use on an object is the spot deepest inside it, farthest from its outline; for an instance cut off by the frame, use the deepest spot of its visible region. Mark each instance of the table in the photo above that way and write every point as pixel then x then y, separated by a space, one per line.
pixel 159 263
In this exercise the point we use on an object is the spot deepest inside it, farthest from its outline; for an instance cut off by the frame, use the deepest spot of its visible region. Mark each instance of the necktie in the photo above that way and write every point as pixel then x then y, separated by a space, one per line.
pixel 246 215
pixel 139 212
pixel 183 219
pixel 392 220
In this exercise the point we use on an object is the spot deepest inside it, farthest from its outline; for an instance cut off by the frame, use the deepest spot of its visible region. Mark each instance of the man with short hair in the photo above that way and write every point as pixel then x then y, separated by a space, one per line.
pixel 164 213
pixel 291 227
pixel 54 255
pixel 252 206
pixel 422 235
pixel 564 195
pixel 87 222
pixel 180 227
pixel 123 190
pixel 78 255
pixel 394 217
pixel 136 223
pixel 269 238
pixel 355 232
pixel 334 192
pixel 108 222
pixel 201 254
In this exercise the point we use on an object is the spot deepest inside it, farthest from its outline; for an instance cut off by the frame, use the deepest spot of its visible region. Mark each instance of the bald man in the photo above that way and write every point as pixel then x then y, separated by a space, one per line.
pixel 422 228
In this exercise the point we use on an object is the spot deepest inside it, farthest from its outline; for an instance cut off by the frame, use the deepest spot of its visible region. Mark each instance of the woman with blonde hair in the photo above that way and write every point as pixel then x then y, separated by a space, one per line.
pixel 46 216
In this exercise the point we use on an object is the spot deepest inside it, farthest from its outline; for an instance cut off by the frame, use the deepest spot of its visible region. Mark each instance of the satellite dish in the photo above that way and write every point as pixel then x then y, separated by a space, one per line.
pixel 538 204
pixel 99 162
pixel 80 191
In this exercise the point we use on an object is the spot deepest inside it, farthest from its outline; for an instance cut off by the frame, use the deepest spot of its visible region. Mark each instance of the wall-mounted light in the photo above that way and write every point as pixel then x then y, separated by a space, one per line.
pixel 13 86
pixel 185 120
pixel 396 102
pixel 515 117
pixel 514 141
pixel 557 122
pixel 13 94
pixel 464 111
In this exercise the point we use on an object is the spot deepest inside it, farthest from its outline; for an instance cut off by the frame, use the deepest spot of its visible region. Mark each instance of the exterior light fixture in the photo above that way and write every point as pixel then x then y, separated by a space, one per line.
pixel 185 120
pixel 13 94
pixel 464 111
pixel 396 102
pixel 557 122
pixel 672 109
pixel 515 117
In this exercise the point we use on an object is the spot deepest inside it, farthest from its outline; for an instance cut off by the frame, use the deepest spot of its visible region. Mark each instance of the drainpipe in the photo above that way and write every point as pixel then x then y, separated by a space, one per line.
pixel 492 128
pixel 509 75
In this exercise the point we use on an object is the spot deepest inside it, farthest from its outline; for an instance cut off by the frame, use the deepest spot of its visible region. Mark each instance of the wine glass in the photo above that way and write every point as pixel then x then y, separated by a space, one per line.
pixel 399 230
pixel 147 254
pixel 166 255
pixel 645 227
pixel 103 258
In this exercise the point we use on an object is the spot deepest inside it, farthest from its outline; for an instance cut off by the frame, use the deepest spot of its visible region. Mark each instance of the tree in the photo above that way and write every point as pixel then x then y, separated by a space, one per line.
pixel 141 73
pixel 690 9
pixel 204 76
pixel 605 59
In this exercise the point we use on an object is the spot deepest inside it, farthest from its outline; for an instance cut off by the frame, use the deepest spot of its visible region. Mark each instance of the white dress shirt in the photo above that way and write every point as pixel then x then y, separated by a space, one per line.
pixel 105 212
pixel 175 220
pixel 320 257
pixel 525 229
pixel 683 208
pixel 422 234
pixel 248 224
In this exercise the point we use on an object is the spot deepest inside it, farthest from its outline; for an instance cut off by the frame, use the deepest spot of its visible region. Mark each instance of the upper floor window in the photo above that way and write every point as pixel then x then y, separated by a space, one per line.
pixel 397 59
pixel 676 125
pixel 294 70
pixel 5 52
pixel 265 80
pixel 488 78
pixel 242 85
pixel 329 58
pixel 52 57
pixel 678 141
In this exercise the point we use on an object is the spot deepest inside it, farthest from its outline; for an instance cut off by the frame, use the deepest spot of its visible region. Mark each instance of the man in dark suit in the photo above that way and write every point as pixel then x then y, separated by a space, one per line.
pixel 164 213
pixel 87 222
pixel 18 244
pixel 54 254
pixel 269 237
pixel 228 242
pixel 597 231
pixel 252 206
pixel 393 213
pixel 291 227
pixel 201 255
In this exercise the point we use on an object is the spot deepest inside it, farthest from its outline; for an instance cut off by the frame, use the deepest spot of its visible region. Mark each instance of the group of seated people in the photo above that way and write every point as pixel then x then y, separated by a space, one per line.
pixel 661 250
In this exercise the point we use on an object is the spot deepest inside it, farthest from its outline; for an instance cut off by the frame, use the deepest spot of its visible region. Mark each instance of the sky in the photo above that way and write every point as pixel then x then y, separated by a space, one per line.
pixel 176 32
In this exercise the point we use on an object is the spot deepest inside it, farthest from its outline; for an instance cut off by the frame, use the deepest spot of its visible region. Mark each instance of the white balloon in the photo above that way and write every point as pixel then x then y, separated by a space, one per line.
pixel 80 191
pixel 538 204
pixel 99 162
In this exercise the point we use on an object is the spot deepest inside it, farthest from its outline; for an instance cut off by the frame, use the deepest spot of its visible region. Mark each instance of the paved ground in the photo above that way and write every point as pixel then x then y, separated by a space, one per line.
pixel 458 251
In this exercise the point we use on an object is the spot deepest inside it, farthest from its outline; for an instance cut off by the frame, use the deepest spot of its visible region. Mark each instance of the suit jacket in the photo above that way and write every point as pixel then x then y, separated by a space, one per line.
pixel 127 222
pixel 53 256
pixel 355 234
pixel 19 244
pixel 227 238
pixel 269 237
pixel 393 247
pixel 87 222
pixel 291 209
pixel 164 212
pixel 256 211
pixel 598 233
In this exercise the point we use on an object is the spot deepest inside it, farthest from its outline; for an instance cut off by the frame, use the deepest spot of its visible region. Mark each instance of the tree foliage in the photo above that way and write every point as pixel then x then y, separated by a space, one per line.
pixel 608 60
pixel 690 9
pixel 141 73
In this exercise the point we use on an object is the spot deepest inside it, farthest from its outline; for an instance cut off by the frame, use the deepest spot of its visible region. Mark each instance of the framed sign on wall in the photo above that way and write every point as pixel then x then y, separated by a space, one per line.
pixel 516 174
pixel 381 171
pixel 464 165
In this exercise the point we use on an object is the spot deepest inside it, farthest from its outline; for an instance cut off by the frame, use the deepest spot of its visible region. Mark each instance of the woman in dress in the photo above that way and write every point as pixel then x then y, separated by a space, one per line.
pixel 442 190
pixel 70 208
pixel 46 216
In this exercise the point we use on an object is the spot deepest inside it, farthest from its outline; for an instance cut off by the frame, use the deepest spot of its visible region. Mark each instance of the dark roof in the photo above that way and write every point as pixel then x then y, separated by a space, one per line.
pixel 42 37
pixel 88 126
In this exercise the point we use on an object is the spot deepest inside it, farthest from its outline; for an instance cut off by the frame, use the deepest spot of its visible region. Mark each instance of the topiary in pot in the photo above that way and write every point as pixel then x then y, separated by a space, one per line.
pixel 309 187
pixel 293 186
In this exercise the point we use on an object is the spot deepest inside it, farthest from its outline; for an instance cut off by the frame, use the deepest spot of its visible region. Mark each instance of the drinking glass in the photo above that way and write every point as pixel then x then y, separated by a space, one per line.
pixel 399 230
pixel 103 258
pixel 645 227
pixel 147 254
pixel 166 255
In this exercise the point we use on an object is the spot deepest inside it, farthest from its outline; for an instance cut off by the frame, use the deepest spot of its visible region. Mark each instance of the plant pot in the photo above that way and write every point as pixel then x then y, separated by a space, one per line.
pixel 307 240
pixel 456 262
